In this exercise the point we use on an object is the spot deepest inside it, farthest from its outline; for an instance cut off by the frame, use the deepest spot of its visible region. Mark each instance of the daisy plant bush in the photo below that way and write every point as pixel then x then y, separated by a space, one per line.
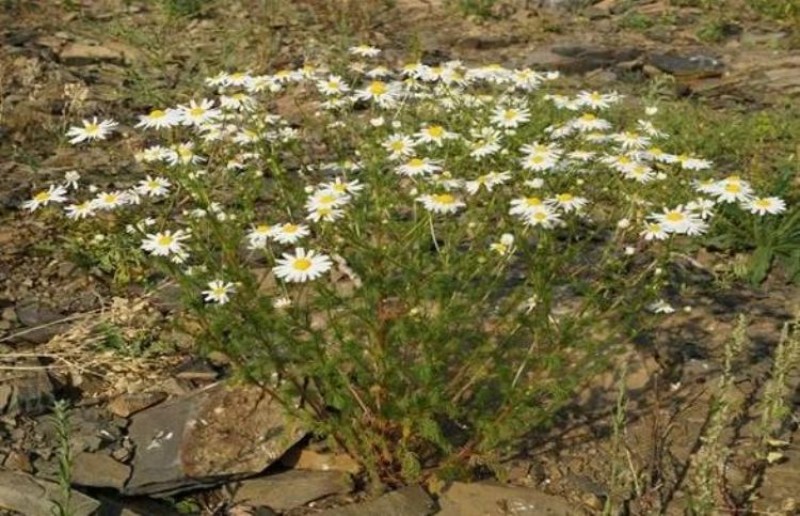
pixel 425 262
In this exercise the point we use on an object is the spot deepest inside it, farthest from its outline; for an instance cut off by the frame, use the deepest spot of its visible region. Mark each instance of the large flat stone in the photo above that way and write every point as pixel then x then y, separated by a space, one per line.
pixel 291 489
pixel 408 501
pixel 207 437
pixel 485 499
pixel 33 497
pixel 99 470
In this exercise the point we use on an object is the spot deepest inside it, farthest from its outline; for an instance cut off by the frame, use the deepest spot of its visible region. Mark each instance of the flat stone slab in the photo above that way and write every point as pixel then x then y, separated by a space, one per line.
pixel 291 489
pixel 99 470
pixel 33 497
pixel 485 499
pixel 408 501
pixel 206 437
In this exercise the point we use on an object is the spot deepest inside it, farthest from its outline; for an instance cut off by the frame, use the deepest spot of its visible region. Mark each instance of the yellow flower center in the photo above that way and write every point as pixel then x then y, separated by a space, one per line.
pixel 262 229
pixel 564 197
pixel 302 264
pixel 588 117
pixel 157 113
pixel 435 131
pixel 42 197
pixel 397 146
pixel 623 160
pixel 197 111
pixel 444 199
pixel 218 291
pixel 595 96
pixel 675 216
pixel 416 162
pixel 92 128
pixel 377 88
pixel 239 96
pixel 327 199
pixel 510 114
pixel 762 203
pixel 533 201
pixel 540 215
pixel 537 158
pixel 334 85
pixel 164 240
pixel 110 198
pixel 654 227
pixel 290 228
pixel 339 187
pixel 733 188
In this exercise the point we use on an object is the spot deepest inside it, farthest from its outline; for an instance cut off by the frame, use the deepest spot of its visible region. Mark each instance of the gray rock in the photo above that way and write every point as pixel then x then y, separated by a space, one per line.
pixel 41 322
pixel 695 66
pixel 99 470
pixel 291 489
pixel 79 54
pixel 32 497
pixel 206 437
pixel 579 59
pixel 25 392
pixel 485 499
pixel 408 501
pixel 126 405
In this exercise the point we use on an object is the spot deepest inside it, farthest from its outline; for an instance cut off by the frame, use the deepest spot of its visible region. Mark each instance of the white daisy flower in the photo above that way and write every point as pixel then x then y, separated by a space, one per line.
pixel 629 140
pixel 441 203
pixel 55 194
pixel 654 231
pixel 80 211
pixel 165 243
pixel 218 292
pixel 154 187
pixel 510 117
pixel 302 266
pixel 381 93
pixel 198 114
pixel 765 205
pixel 435 134
pixel 704 208
pixel 568 202
pixel 289 233
pixel 399 146
pixel 333 85
pixel 590 122
pixel 258 235
pixel 417 167
pixel 237 102
pixel 365 51
pixel 542 216
pixel 91 131
pixel 680 221
pixel 526 205
pixel 732 189
pixel 692 163
pixel 160 119
pixel 325 214
pixel 326 199
pixel 110 200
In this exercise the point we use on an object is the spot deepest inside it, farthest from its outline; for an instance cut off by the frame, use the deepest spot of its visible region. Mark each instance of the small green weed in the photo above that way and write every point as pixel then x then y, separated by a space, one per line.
pixel 61 421
pixel 185 8
pixel 478 8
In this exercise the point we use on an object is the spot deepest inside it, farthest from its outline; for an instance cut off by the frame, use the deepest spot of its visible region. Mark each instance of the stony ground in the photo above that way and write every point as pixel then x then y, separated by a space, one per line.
pixel 128 368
